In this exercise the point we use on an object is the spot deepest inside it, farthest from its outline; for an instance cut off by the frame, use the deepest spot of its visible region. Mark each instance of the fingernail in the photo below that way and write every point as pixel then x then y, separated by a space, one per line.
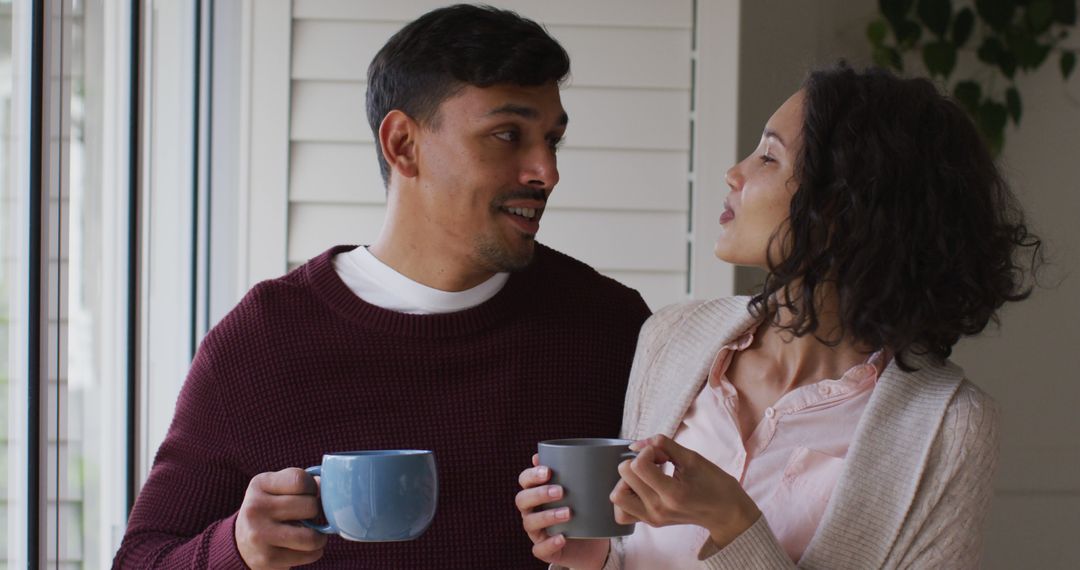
pixel 542 471
pixel 554 491
pixel 636 446
pixel 560 540
pixel 563 513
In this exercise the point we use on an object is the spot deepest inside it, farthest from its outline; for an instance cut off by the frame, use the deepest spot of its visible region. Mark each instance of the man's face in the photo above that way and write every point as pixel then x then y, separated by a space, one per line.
pixel 486 168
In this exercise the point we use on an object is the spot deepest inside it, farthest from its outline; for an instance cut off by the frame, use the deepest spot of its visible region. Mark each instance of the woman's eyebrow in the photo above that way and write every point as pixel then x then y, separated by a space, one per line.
pixel 771 134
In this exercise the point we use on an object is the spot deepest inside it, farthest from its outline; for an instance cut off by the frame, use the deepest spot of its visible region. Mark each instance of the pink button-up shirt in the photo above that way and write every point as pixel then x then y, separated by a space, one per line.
pixel 788 465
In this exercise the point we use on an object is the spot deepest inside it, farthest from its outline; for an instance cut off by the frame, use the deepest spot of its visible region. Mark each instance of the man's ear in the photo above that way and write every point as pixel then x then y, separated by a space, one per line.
pixel 397 137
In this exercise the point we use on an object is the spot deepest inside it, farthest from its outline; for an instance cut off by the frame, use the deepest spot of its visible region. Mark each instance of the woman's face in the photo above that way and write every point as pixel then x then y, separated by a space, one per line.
pixel 761 189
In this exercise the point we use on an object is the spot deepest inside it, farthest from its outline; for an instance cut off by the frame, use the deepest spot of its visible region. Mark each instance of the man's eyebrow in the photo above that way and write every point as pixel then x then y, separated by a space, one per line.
pixel 769 133
pixel 524 111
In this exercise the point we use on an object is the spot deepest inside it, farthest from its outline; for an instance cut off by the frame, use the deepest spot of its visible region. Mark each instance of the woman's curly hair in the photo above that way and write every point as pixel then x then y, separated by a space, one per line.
pixel 901 209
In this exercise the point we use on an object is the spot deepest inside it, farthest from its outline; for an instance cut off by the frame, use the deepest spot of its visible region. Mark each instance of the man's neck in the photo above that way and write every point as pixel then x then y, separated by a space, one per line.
pixel 427 264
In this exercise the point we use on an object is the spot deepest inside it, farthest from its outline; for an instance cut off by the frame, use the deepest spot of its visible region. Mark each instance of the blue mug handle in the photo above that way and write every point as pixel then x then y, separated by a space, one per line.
pixel 327 528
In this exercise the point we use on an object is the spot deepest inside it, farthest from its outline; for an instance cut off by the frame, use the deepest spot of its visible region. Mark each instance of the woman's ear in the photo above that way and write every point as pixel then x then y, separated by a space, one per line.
pixel 397 138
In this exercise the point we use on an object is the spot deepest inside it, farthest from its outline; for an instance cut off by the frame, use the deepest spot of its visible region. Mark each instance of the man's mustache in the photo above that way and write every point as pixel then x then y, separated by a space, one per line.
pixel 522 194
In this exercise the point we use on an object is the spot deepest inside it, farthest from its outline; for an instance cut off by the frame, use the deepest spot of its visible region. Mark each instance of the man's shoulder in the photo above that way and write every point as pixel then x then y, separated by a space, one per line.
pixel 551 264
pixel 277 303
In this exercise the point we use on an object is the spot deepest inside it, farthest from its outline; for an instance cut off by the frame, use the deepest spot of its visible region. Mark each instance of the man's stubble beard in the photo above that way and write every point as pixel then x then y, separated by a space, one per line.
pixel 498 258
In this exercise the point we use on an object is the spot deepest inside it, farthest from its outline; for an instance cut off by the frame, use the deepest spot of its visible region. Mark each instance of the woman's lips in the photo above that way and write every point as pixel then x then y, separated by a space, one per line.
pixel 727 216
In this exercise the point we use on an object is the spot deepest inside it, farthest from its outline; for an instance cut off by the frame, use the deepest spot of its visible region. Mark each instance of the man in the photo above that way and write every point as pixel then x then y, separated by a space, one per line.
pixel 455 331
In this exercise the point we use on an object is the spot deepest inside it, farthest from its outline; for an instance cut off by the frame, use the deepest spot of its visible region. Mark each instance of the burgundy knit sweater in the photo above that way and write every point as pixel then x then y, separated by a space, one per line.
pixel 303 367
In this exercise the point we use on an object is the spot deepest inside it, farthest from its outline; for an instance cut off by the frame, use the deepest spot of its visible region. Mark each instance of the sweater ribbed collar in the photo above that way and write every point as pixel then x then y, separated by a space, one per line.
pixel 515 297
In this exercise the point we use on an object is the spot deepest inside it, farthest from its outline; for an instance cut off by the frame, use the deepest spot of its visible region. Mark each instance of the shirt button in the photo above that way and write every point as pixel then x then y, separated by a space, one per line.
pixel 769 412
pixel 824 390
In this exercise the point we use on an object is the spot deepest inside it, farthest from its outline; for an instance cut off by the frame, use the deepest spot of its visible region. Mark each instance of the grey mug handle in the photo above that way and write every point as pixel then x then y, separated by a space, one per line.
pixel 326 528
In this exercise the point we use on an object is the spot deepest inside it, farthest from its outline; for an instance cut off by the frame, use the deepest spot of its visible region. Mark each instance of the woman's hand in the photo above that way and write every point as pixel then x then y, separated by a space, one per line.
pixel 697 493
pixel 575 553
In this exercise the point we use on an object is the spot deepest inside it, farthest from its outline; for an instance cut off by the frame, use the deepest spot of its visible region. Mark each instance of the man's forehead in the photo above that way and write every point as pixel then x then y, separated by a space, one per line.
pixel 528 102
pixel 525 111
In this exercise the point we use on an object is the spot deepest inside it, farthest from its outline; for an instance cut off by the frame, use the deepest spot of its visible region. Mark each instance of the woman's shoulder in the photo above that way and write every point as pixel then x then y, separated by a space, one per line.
pixel 695 314
pixel 972 417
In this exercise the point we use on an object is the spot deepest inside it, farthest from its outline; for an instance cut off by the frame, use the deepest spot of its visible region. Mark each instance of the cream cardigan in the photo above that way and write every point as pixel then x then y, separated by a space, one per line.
pixel 916 485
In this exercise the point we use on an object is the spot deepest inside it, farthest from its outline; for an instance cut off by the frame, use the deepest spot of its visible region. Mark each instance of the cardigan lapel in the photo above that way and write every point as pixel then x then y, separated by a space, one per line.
pixel 686 360
pixel 884 465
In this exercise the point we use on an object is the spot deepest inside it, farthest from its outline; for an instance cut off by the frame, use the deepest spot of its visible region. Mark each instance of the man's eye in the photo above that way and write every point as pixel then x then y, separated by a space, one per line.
pixel 508 136
pixel 556 142
pixel 766 159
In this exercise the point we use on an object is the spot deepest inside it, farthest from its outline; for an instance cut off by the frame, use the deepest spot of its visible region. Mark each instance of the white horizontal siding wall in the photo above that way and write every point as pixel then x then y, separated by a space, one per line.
pixel 623 202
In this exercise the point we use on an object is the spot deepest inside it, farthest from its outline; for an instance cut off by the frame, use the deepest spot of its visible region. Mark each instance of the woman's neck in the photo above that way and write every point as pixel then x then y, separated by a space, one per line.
pixel 789 361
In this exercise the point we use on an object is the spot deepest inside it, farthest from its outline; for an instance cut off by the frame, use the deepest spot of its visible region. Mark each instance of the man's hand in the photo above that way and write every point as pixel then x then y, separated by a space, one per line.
pixel 267 534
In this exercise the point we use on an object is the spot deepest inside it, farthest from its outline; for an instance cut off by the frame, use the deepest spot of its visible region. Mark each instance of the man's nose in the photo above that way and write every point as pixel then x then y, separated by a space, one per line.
pixel 540 170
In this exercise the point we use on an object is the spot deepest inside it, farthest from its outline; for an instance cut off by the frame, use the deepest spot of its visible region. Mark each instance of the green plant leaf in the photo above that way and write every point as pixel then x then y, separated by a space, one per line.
pixel 991 50
pixel 962 26
pixel 991 121
pixel 1065 12
pixel 875 32
pixel 907 33
pixel 992 116
pixel 1012 103
pixel 888 57
pixel 1029 53
pixel 968 94
pixel 1039 14
pixel 1067 62
pixel 997 13
pixel 935 14
pixel 939 57
pixel 895 11
pixel 1007 64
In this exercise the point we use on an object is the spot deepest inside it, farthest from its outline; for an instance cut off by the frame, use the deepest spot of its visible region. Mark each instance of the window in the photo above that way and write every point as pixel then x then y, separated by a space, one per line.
pixel 65 70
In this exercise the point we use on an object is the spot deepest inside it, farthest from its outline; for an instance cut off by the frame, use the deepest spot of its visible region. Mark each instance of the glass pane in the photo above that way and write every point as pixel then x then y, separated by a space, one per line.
pixel 14 182
pixel 92 323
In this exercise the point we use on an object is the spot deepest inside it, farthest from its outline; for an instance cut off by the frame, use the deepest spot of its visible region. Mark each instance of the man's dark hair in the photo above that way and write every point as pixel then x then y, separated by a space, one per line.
pixel 433 57
pixel 902 210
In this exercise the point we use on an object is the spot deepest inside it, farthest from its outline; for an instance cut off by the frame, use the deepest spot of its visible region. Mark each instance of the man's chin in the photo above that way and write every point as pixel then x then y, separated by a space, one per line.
pixel 508 259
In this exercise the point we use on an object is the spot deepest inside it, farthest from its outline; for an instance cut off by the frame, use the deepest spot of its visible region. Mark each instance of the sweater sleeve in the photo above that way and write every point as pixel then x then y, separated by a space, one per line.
pixel 945 526
pixel 185 513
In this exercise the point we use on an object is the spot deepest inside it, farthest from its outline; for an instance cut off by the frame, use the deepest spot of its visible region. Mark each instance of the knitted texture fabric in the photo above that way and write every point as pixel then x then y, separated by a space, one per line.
pixel 303 367
pixel 917 481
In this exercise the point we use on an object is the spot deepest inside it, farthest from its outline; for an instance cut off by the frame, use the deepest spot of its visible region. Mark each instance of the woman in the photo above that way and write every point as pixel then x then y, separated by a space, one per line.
pixel 819 422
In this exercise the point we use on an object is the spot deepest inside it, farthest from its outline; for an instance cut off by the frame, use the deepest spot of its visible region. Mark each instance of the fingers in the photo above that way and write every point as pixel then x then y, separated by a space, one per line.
pixel 290 481
pixel 529 499
pixel 648 468
pixel 536 460
pixel 549 549
pixel 640 488
pixel 287 537
pixel 265 533
pixel 536 523
pixel 628 506
pixel 534 476
pixel 666 449
pixel 285 508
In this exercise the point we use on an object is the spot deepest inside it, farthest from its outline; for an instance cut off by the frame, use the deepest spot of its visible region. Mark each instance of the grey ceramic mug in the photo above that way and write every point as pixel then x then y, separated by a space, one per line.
pixel 377 496
pixel 587 470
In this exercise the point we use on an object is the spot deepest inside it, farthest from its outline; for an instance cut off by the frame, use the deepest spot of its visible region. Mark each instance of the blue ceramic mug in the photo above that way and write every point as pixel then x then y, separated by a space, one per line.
pixel 377 496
